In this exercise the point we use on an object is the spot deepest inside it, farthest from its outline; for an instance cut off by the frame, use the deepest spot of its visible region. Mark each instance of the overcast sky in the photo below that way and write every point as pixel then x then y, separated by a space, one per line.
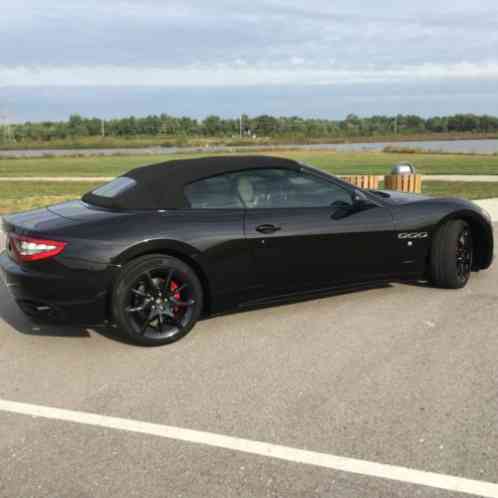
pixel 315 58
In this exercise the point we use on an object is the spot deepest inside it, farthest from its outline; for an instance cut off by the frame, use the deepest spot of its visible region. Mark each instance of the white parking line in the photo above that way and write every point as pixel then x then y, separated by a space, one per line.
pixel 351 465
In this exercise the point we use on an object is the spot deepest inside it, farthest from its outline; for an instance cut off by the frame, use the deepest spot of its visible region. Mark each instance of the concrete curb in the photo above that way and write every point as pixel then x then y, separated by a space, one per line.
pixel 461 178
pixel 491 206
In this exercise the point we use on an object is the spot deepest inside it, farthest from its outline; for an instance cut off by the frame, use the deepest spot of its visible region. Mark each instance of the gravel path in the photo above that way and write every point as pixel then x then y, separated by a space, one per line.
pixel 461 178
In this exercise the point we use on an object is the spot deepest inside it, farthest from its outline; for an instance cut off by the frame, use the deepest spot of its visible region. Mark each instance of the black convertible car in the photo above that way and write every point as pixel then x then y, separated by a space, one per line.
pixel 157 248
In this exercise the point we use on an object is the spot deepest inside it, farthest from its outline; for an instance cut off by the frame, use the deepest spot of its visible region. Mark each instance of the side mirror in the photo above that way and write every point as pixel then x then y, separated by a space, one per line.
pixel 361 201
pixel 360 198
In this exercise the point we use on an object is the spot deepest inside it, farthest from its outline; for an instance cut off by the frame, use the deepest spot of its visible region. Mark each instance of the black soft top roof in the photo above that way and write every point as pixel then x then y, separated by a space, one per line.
pixel 161 186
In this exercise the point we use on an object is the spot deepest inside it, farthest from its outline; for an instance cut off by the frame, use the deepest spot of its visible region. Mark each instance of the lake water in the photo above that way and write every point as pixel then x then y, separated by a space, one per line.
pixel 460 146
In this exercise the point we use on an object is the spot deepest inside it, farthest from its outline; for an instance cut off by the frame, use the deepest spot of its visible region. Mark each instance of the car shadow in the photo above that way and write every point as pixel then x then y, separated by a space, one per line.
pixel 15 318
pixel 26 326
pixel 418 283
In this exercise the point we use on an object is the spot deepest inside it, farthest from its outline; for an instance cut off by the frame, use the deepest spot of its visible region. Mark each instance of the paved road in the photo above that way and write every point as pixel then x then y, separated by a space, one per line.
pixel 404 375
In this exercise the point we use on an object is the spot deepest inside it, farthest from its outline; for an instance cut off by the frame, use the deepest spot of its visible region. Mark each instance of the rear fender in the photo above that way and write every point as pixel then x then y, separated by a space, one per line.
pixel 153 246
pixel 182 251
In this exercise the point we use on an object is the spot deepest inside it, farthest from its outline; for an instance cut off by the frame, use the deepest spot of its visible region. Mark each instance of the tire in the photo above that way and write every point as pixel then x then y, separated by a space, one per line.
pixel 157 300
pixel 452 255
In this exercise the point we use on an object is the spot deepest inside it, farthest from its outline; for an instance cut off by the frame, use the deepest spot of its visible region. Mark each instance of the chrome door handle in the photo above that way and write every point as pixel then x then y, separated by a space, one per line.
pixel 268 229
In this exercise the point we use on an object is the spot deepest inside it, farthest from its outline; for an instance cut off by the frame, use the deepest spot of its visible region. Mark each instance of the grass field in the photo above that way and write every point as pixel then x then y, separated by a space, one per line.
pixel 17 196
pixel 21 196
pixel 378 163
pixel 466 190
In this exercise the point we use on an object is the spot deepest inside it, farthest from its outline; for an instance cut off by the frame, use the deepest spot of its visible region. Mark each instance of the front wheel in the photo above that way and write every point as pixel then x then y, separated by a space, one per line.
pixel 452 255
pixel 157 300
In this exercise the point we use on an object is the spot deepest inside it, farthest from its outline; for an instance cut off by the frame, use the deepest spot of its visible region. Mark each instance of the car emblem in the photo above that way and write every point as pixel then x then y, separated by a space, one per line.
pixel 413 235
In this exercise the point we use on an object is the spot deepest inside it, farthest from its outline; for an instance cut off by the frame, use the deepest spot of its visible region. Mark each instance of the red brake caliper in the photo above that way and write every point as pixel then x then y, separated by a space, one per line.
pixel 173 286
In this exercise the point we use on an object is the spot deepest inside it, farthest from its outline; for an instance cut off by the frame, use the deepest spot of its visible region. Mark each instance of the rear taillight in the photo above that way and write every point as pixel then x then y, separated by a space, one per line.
pixel 33 249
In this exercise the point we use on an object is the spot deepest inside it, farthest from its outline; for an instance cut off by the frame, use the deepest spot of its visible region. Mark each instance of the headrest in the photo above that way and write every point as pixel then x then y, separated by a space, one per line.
pixel 246 190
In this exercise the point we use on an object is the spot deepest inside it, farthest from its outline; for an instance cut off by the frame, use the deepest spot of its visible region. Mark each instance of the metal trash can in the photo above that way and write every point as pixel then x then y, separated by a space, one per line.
pixel 403 178
pixel 404 168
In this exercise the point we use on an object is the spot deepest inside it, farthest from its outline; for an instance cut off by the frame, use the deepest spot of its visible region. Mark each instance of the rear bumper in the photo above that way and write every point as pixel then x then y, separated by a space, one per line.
pixel 77 298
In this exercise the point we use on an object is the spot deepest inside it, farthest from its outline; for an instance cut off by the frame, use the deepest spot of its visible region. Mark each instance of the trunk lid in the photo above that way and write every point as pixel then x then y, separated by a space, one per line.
pixel 36 221
pixel 80 211
pixel 57 218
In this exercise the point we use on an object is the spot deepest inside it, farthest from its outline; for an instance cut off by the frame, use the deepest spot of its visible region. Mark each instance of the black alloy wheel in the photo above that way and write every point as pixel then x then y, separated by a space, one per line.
pixel 452 255
pixel 464 254
pixel 157 300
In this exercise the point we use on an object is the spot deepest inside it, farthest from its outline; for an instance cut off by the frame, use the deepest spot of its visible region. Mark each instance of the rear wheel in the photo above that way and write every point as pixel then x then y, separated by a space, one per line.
pixel 157 300
pixel 452 255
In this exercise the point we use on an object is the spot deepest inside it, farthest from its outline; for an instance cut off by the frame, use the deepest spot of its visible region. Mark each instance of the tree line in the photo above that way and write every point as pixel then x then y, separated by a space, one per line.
pixel 260 126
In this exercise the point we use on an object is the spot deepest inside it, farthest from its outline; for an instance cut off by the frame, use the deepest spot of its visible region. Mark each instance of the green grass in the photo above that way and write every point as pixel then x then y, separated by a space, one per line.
pixel 467 190
pixel 77 166
pixel 135 142
pixel 380 163
pixel 21 196
pixel 18 196
pixel 377 163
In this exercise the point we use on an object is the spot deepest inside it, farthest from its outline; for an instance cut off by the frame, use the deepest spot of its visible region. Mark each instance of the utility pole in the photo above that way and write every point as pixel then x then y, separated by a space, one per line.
pixel 240 125
pixel 102 127
pixel 3 124
pixel 396 124
pixel 4 117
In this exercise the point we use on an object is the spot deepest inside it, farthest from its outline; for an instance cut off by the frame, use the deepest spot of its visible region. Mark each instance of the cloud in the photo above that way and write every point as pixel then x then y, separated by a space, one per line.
pixel 177 33
pixel 258 44
pixel 238 74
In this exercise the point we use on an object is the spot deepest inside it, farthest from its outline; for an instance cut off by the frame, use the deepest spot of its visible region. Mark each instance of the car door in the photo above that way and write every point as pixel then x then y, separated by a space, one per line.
pixel 215 221
pixel 306 231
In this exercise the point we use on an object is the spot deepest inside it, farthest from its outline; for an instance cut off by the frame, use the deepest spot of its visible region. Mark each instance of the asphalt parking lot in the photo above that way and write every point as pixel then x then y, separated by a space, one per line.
pixel 404 375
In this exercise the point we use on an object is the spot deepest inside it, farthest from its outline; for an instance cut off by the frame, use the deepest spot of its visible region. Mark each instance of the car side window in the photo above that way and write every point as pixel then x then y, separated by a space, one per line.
pixel 283 188
pixel 217 192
